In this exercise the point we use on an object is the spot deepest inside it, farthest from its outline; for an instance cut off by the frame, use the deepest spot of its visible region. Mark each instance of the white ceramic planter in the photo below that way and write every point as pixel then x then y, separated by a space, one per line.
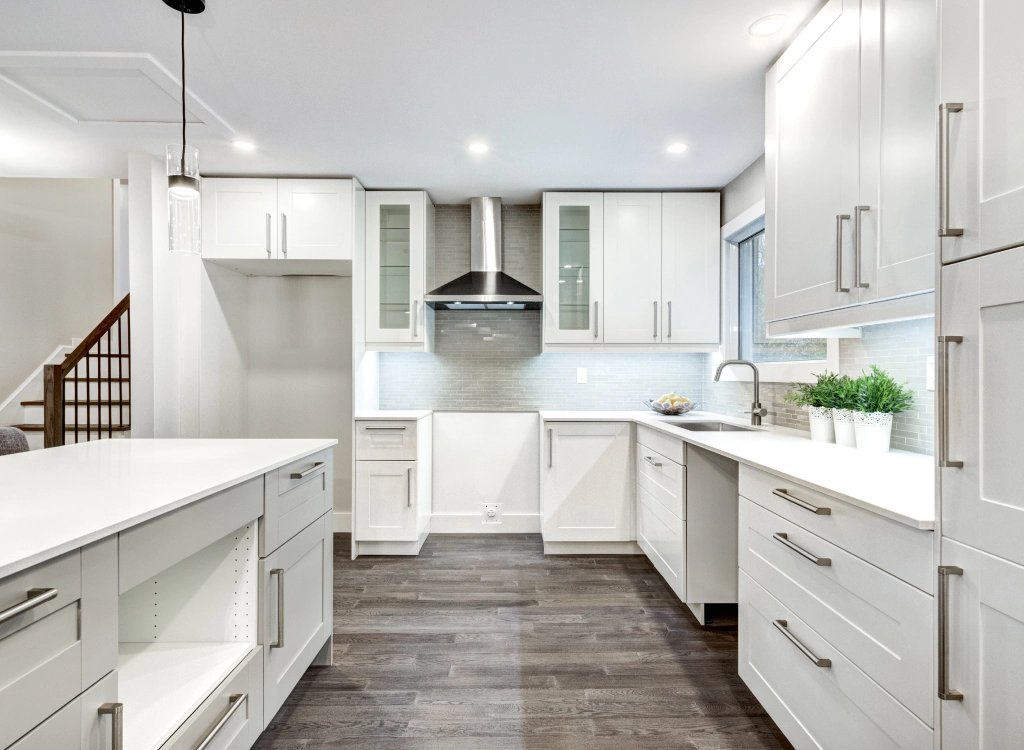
pixel 844 421
pixel 873 431
pixel 821 424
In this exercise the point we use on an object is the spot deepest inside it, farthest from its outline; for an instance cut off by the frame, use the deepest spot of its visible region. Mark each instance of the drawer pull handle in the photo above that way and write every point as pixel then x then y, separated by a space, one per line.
pixel 279 572
pixel 651 461
pixel 784 494
pixel 945 571
pixel 35 598
pixel 408 487
pixel 943 437
pixel 783 627
pixel 307 472
pixel 116 713
pixel 783 538
pixel 381 427
pixel 234 702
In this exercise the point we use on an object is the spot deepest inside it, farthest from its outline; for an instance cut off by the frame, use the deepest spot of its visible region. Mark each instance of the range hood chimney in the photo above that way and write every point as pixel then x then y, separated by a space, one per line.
pixel 486 286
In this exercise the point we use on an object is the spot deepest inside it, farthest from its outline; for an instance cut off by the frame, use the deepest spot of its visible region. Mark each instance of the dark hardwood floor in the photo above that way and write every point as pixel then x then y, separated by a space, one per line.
pixel 483 642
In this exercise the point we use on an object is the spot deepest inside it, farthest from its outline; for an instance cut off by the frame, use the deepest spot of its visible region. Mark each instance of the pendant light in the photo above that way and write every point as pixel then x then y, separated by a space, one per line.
pixel 183 210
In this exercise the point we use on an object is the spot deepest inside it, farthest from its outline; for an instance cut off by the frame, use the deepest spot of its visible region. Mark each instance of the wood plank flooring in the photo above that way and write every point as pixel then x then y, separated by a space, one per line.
pixel 483 642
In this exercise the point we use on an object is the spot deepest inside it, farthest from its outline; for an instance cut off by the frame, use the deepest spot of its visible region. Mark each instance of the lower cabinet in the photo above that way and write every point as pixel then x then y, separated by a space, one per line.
pixel 386 501
pixel 662 537
pixel 86 723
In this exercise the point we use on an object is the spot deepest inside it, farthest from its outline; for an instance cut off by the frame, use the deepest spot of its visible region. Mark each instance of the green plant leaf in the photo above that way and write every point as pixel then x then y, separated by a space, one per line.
pixel 878 392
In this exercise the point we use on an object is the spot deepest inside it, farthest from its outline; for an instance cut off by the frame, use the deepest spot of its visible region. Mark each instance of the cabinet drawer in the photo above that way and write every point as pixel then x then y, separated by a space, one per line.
pixel 880 623
pixel 666 445
pixel 892 546
pixel 304 470
pixel 289 511
pixel 663 479
pixel 662 537
pixel 78 725
pixel 386 441
pixel 836 707
pixel 232 717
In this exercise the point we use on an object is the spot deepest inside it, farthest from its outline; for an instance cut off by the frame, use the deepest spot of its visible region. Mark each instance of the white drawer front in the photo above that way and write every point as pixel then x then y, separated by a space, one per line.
pixel 892 546
pixel 836 707
pixel 386 441
pixel 666 445
pixel 78 725
pixel 662 537
pixel 880 623
pixel 302 471
pixel 663 479
pixel 292 503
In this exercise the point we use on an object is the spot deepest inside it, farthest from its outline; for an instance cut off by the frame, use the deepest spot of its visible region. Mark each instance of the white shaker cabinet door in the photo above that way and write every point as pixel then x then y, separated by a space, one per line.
pixel 315 219
pixel 985 640
pixel 690 267
pixel 573 268
pixel 982 88
pixel 812 142
pixel 386 496
pixel 240 218
pixel 589 482
pixel 980 441
pixel 632 268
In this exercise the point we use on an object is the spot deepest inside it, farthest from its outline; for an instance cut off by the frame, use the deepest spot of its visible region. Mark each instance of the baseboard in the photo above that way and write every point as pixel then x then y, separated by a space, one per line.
pixel 391 548
pixel 592 548
pixel 473 523
pixel 342 522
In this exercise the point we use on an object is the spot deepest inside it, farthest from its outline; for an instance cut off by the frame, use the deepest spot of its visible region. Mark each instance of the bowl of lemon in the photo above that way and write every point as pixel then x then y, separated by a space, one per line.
pixel 671 405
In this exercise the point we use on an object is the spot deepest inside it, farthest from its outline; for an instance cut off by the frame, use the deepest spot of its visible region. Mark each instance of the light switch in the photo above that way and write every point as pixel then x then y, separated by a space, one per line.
pixel 581 374
pixel 929 375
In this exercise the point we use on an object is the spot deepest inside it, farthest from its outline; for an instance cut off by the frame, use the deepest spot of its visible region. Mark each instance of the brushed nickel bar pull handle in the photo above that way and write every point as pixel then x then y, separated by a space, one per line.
pixel 783 627
pixel 408 487
pixel 35 598
pixel 669 320
pixel 279 572
pixel 383 427
pixel 945 571
pixel 840 218
pixel 798 502
pixel 412 317
pixel 783 538
pixel 596 334
pixel 651 461
pixel 116 713
pixel 944 342
pixel 857 211
pixel 307 472
pixel 944 228
pixel 284 235
pixel 234 702
pixel 551 448
pixel 268 235
pixel 655 319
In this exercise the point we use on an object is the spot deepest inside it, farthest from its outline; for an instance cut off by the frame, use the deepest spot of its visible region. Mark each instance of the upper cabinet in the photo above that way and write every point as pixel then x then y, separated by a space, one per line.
pixel 850 178
pixel 316 219
pixel 690 268
pixel 573 267
pixel 239 218
pixel 981 144
pixel 399 247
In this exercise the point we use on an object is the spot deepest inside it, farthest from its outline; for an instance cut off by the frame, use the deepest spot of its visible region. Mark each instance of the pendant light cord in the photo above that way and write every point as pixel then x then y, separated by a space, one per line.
pixel 183 89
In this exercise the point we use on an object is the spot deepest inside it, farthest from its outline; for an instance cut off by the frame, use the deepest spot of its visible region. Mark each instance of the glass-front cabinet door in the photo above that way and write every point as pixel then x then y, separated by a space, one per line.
pixel 573 268
pixel 395 247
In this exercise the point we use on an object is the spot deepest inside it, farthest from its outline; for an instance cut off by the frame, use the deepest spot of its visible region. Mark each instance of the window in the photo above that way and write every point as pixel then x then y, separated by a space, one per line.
pixel 753 343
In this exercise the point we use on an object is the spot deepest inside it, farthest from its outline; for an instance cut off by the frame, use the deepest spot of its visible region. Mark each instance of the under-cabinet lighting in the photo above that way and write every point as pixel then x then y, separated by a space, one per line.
pixel 676 148
pixel 768 25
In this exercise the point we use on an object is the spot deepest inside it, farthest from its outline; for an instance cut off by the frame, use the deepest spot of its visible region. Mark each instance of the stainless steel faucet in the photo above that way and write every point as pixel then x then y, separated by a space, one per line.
pixel 756 411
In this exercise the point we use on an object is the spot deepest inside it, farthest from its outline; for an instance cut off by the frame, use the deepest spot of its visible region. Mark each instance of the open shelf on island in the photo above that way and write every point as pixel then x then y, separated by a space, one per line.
pixel 161 684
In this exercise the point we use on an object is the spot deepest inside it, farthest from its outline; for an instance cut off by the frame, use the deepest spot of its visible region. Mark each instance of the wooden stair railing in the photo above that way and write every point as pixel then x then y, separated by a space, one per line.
pixel 85 365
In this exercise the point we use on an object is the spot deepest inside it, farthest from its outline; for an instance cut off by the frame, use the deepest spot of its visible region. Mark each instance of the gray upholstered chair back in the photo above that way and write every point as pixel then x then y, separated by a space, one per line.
pixel 12 440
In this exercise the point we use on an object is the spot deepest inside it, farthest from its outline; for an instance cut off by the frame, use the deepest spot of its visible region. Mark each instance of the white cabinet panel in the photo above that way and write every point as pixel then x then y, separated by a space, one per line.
pixel 589 483
pixel 982 501
pixel 316 219
pixel 632 268
pixel 386 501
pixel 386 440
pixel 573 268
pixel 79 725
pixel 240 218
pixel 662 537
pixel 690 267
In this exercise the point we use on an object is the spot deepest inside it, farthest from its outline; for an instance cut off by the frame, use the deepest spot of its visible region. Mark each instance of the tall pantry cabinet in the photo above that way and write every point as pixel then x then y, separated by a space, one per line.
pixel 980 368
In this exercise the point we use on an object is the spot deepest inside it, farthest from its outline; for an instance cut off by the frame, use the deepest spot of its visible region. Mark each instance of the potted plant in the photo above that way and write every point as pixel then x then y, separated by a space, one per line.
pixel 879 397
pixel 818 398
pixel 844 410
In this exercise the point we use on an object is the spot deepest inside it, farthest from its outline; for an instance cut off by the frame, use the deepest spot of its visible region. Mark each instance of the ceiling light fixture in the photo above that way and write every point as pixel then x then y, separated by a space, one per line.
pixel 677 148
pixel 479 148
pixel 767 26
pixel 244 146
pixel 184 221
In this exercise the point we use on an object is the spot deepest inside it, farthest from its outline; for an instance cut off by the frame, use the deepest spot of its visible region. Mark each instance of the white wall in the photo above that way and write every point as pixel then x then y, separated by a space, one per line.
pixel 56 268
pixel 744 191
pixel 224 354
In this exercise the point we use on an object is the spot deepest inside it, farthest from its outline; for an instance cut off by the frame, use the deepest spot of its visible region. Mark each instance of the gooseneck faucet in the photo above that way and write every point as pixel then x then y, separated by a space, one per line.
pixel 756 411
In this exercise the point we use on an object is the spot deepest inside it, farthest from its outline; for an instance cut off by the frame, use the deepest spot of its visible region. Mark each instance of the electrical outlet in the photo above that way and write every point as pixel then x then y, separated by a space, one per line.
pixel 581 374
pixel 492 512
pixel 929 374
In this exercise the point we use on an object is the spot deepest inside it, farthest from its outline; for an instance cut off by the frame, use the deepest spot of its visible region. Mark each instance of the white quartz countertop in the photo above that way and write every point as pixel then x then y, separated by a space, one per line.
pixel 57 500
pixel 898 485
pixel 393 414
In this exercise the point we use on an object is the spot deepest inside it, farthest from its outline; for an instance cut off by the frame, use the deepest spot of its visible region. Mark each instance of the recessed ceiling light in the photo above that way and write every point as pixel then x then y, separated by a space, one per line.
pixel 767 26
pixel 245 146
pixel 479 148
pixel 677 148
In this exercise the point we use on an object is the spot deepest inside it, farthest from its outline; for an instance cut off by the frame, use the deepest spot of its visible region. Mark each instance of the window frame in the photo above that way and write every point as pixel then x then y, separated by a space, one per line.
pixel 747 224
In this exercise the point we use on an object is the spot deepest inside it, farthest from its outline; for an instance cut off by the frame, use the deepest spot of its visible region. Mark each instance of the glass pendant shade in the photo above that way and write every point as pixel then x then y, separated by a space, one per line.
pixel 183 208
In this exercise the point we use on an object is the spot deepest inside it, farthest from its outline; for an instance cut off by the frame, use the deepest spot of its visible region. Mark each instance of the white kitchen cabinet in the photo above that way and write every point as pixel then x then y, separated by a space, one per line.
pixel 979 443
pixel 985 642
pixel 386 501
pixel 632 268
pixel 588 483
pixel 399 258
pixel 316 219
pixel 573 268
pixel 240 218
pixel 690 268
pixel 982 88
pixel 80 725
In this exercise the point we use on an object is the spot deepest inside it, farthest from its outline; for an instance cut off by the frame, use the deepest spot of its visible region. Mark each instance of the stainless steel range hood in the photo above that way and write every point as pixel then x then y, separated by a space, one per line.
pixel 486 286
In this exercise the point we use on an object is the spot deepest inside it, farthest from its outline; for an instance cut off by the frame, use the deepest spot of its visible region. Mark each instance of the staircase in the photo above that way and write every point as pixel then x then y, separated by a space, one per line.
pixel 82 392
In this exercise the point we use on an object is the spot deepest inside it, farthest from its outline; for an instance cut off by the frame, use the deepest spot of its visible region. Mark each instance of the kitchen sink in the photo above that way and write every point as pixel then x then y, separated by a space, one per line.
pixel 711 427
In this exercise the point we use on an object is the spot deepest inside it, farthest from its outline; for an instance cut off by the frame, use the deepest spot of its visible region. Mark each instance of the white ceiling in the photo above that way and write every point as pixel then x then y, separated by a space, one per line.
pixel 569 94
